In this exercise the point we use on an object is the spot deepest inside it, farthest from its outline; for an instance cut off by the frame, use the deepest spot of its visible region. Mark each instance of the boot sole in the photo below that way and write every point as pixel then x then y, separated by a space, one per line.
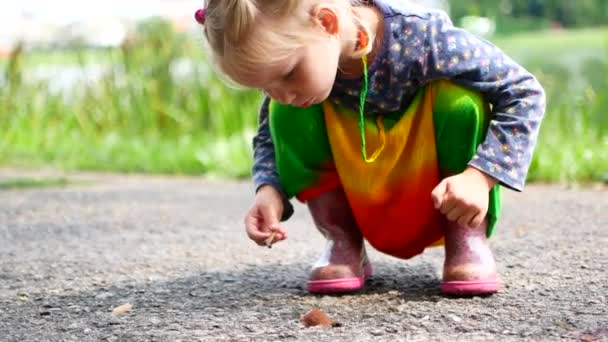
pixel 470 288
pixel 340 285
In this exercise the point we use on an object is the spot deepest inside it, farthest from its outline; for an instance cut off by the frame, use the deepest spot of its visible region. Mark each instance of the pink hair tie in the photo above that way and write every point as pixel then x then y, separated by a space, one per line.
pixel 200 16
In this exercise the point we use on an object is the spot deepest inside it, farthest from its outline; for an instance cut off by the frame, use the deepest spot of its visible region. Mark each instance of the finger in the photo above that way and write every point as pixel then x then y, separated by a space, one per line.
pixel 274 237
pixel 276 232
pixel 277 229
pixel 456 213
pixel 449 202
pixel 466 218
pixel 270 240
pixel 280 236
pixel 254 228
pixel 259 237
pixel 438 193
pixel 477 220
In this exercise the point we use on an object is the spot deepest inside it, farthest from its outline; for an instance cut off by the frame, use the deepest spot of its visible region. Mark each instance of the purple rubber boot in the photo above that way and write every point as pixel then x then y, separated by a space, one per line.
pixel 343 267
pixel 469 268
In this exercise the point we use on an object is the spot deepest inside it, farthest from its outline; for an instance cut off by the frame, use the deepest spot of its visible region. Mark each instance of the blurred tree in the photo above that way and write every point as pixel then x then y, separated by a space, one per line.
pixel 526 14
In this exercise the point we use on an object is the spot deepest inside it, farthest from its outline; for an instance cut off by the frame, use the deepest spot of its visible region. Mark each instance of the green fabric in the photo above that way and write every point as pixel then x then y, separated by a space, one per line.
pixel 461 120
pixel 303 154
pixel 302 150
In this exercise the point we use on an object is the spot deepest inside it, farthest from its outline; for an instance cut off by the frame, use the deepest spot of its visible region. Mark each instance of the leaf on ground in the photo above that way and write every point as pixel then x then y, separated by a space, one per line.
pixel 316 317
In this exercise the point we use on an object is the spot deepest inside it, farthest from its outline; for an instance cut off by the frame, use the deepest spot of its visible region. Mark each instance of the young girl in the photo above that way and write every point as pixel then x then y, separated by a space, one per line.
pixel 391 124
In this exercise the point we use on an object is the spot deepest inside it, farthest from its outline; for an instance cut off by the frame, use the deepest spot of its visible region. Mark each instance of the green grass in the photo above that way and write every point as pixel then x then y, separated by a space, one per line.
pixel 573 145
pixel 23 183
pixel 572 66
pixel 552 44
pixel 558 52
pixel 138 118
pixel 60 57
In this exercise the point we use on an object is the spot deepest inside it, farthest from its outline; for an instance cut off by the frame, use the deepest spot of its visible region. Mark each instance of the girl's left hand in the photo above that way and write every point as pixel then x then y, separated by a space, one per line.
pixel 463 198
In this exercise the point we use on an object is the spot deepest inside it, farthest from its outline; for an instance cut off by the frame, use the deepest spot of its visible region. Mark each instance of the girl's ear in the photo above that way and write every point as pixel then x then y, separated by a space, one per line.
pixel 327 19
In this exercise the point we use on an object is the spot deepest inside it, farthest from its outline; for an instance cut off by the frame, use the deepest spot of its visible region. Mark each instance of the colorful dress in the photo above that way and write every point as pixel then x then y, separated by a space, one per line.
pixel 317 150
pixel 420 47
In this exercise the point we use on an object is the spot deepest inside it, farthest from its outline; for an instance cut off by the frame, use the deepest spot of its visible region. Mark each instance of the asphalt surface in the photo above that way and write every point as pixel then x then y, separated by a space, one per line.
pixel 175 249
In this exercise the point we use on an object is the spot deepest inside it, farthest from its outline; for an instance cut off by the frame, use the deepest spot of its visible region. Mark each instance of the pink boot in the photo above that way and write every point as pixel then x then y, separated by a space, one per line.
pixel 469 268
pixel 343 266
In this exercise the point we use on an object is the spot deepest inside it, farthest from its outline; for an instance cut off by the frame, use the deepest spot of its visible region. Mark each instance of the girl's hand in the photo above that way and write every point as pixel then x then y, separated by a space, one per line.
pixel 262 220
pixel 463 198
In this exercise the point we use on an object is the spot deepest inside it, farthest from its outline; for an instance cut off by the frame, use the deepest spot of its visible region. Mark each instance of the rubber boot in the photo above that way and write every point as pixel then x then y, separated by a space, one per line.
pixel 343 267
pixel 469 268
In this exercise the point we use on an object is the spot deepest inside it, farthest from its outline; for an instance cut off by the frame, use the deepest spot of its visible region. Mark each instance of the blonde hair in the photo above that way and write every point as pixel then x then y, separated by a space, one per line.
pixel 243 34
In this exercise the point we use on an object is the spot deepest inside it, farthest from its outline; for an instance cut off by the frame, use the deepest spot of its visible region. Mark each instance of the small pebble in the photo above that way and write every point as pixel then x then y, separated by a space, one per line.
pixel 455 318
pixel 122 309
pixel 377 332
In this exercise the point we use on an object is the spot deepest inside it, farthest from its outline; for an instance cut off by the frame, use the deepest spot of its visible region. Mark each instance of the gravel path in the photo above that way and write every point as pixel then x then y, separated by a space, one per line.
pixel 175 249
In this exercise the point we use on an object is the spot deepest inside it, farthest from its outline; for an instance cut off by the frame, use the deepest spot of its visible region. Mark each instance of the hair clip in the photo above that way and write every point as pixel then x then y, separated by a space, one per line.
pixel 199 15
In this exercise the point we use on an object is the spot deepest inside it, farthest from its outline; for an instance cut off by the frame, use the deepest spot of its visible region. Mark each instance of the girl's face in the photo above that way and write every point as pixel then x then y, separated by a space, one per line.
pixel 307 75
pixel 302 79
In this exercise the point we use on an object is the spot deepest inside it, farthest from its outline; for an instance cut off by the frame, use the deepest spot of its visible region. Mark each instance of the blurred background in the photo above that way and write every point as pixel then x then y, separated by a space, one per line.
pixel 124 86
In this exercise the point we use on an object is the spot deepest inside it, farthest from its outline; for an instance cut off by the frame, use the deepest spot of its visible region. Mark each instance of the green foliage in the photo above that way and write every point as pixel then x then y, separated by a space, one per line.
pixel 141 115
pixel 159 108
pixel 518 15
pixel 22 183
pixel 573 143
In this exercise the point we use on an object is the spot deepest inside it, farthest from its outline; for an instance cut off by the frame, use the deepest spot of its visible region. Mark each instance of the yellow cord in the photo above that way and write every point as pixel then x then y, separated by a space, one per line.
pixel 382 138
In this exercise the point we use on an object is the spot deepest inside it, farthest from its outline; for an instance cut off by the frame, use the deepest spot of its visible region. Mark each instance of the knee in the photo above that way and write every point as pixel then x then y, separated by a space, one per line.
pixel 467 104
pixel 460 123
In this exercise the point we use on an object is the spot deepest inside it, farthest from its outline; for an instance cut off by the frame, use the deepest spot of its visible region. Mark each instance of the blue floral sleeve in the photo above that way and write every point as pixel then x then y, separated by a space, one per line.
pixel 264 168
pixel 438 50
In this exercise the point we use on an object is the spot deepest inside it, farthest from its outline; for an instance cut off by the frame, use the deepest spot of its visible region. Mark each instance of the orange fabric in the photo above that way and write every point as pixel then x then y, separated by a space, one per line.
pixel 391 197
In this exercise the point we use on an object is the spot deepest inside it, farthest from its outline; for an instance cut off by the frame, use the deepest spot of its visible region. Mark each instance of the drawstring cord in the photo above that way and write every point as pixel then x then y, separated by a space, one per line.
pixel 362 99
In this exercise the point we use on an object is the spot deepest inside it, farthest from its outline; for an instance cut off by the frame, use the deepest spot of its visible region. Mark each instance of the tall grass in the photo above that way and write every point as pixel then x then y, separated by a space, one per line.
pixel 141 115
pixel 573 142
pixel 158 108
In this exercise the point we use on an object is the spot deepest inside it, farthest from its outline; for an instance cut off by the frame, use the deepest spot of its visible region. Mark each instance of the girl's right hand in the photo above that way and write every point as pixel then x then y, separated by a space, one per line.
pixel 262 222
